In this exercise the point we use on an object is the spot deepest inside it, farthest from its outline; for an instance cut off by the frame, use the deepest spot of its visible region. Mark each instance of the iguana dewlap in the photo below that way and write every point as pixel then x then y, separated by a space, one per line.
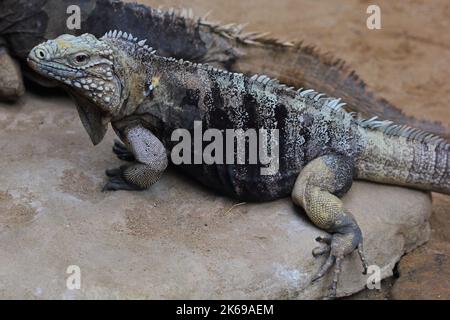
pixel 120 80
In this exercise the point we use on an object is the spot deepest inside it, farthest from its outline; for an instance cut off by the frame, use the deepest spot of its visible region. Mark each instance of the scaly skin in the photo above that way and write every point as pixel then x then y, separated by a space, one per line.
pixel 24 24
pixel 322 148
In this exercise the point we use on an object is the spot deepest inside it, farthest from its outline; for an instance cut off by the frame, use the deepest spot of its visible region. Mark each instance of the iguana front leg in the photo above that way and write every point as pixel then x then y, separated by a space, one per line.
pixel 317 190
pixel 151 161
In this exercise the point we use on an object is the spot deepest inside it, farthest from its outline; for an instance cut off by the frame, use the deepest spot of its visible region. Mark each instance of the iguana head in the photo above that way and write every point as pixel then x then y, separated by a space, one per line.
pixel 86 67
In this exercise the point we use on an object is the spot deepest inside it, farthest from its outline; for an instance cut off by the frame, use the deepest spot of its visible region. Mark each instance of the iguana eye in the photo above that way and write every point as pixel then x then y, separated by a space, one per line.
pixel 40 53
pixel 81 58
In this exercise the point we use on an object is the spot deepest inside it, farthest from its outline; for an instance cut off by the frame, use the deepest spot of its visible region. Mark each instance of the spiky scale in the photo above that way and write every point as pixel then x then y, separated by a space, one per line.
pixel 304 93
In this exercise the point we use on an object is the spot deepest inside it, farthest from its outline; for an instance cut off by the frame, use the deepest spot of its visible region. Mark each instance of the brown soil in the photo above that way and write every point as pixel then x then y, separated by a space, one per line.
pixel 14 212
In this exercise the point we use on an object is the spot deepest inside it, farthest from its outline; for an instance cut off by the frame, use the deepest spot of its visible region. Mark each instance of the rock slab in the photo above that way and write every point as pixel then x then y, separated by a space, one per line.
pixel 11 83
pixel 175 241
pixel 425 272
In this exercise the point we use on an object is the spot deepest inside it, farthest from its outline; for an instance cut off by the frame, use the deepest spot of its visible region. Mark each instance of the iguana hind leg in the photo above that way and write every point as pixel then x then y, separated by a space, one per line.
pixel 150 161
pixel 317 189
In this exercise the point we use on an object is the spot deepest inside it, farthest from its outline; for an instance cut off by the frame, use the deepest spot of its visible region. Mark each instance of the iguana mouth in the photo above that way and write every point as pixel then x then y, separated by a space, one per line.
pixel 53 71
pixel 34 64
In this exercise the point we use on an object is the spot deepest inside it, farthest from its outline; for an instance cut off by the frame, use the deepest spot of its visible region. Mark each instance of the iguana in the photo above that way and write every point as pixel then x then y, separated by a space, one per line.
pixel 118 79
pixel 178 34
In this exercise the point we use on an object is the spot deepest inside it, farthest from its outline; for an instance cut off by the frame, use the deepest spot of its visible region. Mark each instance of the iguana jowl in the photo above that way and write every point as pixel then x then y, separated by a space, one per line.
pixel 322 148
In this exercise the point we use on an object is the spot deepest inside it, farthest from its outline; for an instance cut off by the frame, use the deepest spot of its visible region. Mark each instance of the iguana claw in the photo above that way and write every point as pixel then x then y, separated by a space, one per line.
pixel 318 251
pixel 122 152
pixel 117 182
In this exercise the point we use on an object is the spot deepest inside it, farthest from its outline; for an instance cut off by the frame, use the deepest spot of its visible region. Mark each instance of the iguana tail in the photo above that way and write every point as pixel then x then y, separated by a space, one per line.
pixel 404 156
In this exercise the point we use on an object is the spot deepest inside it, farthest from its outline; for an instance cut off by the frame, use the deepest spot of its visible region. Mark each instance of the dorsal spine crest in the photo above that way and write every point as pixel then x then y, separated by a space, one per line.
pixel 319 100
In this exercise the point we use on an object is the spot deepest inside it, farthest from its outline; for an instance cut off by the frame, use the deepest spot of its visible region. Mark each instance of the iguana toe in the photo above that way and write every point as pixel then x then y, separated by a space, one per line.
pixel 337 262
pixel 362 257
pixel 319 251
pixel 113 172
pixel 117 182
pixel 324 239
pixel 324 268
pixel 122 152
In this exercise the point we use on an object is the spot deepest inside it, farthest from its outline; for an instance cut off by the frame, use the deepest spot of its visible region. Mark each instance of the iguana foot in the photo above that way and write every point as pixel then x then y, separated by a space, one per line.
pixel 317 190
pixel 117 181
pixel 122 152
pixel 338 246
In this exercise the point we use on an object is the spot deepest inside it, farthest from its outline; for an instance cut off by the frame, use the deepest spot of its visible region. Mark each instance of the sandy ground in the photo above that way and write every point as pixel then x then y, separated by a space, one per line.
pixel 407 61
